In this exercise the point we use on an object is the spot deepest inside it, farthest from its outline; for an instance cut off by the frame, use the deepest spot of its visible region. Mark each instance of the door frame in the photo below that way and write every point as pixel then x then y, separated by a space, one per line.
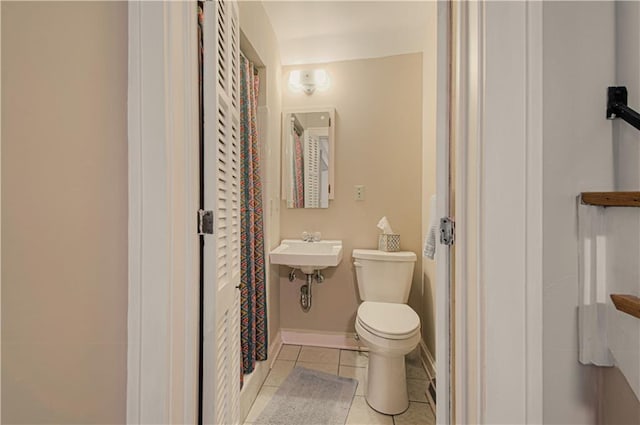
pixel 443 371
pixel 163 197
pixel 498 190
pixel 511 212
pixel 162 359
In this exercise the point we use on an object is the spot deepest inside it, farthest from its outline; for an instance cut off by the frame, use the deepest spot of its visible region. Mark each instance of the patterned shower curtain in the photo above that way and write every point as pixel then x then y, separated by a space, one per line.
pixel 253 302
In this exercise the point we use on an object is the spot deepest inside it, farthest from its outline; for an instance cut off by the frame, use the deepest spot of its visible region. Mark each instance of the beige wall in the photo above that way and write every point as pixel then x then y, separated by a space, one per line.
pixel 379 145
pixel 260 45
pixel 64 212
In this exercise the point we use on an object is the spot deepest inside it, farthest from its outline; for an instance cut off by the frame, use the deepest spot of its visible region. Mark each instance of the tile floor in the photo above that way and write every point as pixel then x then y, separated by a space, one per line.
pixel 352 364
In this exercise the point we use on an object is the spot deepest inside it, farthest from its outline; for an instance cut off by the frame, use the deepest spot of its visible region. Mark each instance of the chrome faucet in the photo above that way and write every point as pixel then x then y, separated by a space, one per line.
pixel 311 237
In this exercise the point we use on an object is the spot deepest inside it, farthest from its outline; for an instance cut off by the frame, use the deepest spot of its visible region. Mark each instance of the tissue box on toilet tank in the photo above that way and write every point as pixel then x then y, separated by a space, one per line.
pixel 389 242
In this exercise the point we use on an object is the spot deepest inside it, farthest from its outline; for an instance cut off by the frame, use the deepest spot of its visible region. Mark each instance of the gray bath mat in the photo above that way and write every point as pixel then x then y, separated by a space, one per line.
pixel 309 397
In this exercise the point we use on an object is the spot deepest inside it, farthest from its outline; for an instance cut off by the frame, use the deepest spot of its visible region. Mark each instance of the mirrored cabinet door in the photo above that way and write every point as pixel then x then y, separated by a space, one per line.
pixel 308 158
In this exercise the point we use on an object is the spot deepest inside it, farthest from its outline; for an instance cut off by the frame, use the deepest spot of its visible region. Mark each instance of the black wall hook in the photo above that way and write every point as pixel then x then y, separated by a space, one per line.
pixel 617 106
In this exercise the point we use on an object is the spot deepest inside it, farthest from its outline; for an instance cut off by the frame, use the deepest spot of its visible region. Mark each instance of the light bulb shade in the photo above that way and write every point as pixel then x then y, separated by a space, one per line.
pixel 321 79
pixel 295 80
pixel 309 80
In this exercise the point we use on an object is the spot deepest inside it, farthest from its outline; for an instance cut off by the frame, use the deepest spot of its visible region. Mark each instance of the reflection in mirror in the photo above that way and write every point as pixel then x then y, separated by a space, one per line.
pixel 308 153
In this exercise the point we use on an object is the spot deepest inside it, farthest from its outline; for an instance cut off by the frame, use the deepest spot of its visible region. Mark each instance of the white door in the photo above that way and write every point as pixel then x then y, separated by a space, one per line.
pixel 221 297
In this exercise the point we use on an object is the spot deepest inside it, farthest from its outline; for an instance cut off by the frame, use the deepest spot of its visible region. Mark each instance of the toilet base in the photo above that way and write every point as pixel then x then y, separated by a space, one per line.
pixel 387 384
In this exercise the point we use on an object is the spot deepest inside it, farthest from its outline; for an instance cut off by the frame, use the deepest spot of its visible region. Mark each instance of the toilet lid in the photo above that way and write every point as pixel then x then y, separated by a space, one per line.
pixel 388 320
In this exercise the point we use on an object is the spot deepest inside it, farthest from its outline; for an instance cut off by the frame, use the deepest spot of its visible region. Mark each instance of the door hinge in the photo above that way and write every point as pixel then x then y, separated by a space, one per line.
pixel 447 231
pixel 205 222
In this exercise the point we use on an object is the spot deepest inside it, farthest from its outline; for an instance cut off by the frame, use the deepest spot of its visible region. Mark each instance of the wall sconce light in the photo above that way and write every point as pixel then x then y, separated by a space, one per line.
pixel 309 81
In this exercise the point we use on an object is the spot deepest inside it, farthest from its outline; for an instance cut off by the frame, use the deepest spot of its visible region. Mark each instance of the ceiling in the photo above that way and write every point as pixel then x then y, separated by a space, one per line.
pixel 328 31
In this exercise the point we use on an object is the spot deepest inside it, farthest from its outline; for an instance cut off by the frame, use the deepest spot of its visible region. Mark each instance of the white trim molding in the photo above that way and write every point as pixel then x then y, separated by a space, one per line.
pixel 466 124
pixel 346 341
pixel 443 311
pixel 498 186
pixel 162 365
pixel 274 349
pixel 428 361
pixel 429 365
pixel 509 161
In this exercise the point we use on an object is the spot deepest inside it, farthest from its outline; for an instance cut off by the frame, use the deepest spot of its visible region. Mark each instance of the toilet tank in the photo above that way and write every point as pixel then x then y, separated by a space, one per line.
pixel 384 276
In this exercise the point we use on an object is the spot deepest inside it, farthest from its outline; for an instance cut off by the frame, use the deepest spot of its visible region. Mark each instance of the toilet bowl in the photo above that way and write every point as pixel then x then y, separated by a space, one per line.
pixel 386 324
pixel 390 331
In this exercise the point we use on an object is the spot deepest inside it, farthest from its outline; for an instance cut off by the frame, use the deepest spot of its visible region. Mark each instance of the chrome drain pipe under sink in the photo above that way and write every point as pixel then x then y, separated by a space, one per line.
pixel 306 292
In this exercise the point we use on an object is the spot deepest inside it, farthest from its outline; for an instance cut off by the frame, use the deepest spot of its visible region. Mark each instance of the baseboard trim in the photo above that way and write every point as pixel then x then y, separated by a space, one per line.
pixel 428 361
pixel 253 382
pixel 429 365
pixel 275 348
pixel 342 340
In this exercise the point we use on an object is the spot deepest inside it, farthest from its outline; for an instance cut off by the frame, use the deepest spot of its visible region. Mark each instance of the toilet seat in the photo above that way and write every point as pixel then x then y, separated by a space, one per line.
pixel 388 320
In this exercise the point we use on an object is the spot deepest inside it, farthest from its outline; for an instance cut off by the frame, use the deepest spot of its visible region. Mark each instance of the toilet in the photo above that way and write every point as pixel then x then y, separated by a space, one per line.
pixel 386 324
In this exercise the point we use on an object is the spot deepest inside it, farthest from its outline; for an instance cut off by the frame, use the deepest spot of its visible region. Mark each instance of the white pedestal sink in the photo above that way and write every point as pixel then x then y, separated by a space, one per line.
pixel 307 256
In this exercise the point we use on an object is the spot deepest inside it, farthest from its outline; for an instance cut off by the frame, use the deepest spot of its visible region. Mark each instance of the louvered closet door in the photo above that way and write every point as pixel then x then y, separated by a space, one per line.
pixel 221 347
pixel 311 171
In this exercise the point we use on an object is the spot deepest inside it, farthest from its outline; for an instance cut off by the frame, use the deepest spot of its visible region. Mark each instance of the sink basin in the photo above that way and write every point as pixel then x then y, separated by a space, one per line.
pixel 307 256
